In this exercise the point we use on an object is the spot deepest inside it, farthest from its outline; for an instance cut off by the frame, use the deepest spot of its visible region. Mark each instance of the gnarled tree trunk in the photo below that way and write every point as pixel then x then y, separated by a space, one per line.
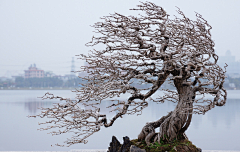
pixel 176 122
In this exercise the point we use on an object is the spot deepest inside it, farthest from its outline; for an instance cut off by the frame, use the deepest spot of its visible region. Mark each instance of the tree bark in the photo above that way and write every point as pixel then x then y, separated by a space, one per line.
pixel 173 125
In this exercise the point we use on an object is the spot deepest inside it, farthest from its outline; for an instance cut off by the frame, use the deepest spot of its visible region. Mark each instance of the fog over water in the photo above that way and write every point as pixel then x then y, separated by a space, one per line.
pixel 218 129
pixel 50 33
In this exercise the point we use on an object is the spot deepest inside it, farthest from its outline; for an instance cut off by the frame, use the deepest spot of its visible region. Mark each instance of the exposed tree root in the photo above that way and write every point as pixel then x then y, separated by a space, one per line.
pixel 171 126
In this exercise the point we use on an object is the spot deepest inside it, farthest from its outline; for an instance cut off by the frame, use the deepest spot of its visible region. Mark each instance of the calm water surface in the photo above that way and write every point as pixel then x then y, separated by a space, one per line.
pixel 219 129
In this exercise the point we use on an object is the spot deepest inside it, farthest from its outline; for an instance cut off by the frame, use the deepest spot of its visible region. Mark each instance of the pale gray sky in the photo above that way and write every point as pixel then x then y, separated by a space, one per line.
pixel 51 32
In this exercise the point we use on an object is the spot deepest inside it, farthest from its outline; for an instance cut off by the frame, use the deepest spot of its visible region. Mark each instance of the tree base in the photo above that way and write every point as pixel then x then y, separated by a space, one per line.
pixel 181 145
pixel 175 146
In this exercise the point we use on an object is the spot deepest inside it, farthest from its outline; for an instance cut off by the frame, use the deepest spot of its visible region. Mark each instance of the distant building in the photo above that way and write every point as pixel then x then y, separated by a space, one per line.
pixel 34 72
pixel 3 78
pixel 64 78
pixel 233 69
pixel 17 76
pixel 69 76
pixel 49 74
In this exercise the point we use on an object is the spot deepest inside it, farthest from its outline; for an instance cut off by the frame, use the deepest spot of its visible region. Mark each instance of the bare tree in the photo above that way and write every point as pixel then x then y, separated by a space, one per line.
pixel 152 48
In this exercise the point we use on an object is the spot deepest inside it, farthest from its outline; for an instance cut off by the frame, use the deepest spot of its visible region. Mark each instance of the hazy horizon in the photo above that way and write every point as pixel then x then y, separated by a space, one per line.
pixel 50 33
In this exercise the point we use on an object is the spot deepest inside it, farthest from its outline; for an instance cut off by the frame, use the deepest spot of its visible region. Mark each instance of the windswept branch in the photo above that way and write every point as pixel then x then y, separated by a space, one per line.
pixel 150 48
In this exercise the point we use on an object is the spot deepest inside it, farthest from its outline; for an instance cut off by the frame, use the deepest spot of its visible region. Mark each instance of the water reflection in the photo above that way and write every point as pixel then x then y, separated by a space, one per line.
pixel 33 106
pixel 219 115
pixel 216 127
pixel 226 114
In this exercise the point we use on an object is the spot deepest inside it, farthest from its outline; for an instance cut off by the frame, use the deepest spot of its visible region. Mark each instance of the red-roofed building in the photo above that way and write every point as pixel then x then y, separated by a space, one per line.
pixel 34 72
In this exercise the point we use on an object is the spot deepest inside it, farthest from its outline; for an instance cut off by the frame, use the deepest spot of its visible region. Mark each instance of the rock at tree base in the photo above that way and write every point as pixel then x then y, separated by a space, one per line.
pixel 134 148
pixel 183 148
pixel 115 146
pixel 141 146
pixel 126 144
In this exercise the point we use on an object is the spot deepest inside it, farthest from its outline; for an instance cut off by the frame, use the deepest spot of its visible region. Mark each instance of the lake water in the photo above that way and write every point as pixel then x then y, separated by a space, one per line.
pixel 218 129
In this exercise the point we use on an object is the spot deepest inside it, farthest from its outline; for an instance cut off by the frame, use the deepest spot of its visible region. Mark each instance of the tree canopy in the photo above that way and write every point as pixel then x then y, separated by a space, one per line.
pixel 150 47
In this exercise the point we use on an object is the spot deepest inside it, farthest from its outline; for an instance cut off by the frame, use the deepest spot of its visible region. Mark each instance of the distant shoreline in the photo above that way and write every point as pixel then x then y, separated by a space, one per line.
pixel 33 88
pixel 52 88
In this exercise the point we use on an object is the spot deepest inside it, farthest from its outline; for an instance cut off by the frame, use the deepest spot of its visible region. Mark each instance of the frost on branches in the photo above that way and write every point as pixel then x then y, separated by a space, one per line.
pixel 151 48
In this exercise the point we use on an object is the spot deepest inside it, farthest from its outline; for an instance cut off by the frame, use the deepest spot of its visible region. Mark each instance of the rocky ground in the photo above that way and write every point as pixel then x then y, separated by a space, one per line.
pixel 140 146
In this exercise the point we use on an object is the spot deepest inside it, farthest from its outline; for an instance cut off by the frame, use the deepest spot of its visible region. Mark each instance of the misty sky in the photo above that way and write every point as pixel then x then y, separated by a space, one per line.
pixel 50 32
